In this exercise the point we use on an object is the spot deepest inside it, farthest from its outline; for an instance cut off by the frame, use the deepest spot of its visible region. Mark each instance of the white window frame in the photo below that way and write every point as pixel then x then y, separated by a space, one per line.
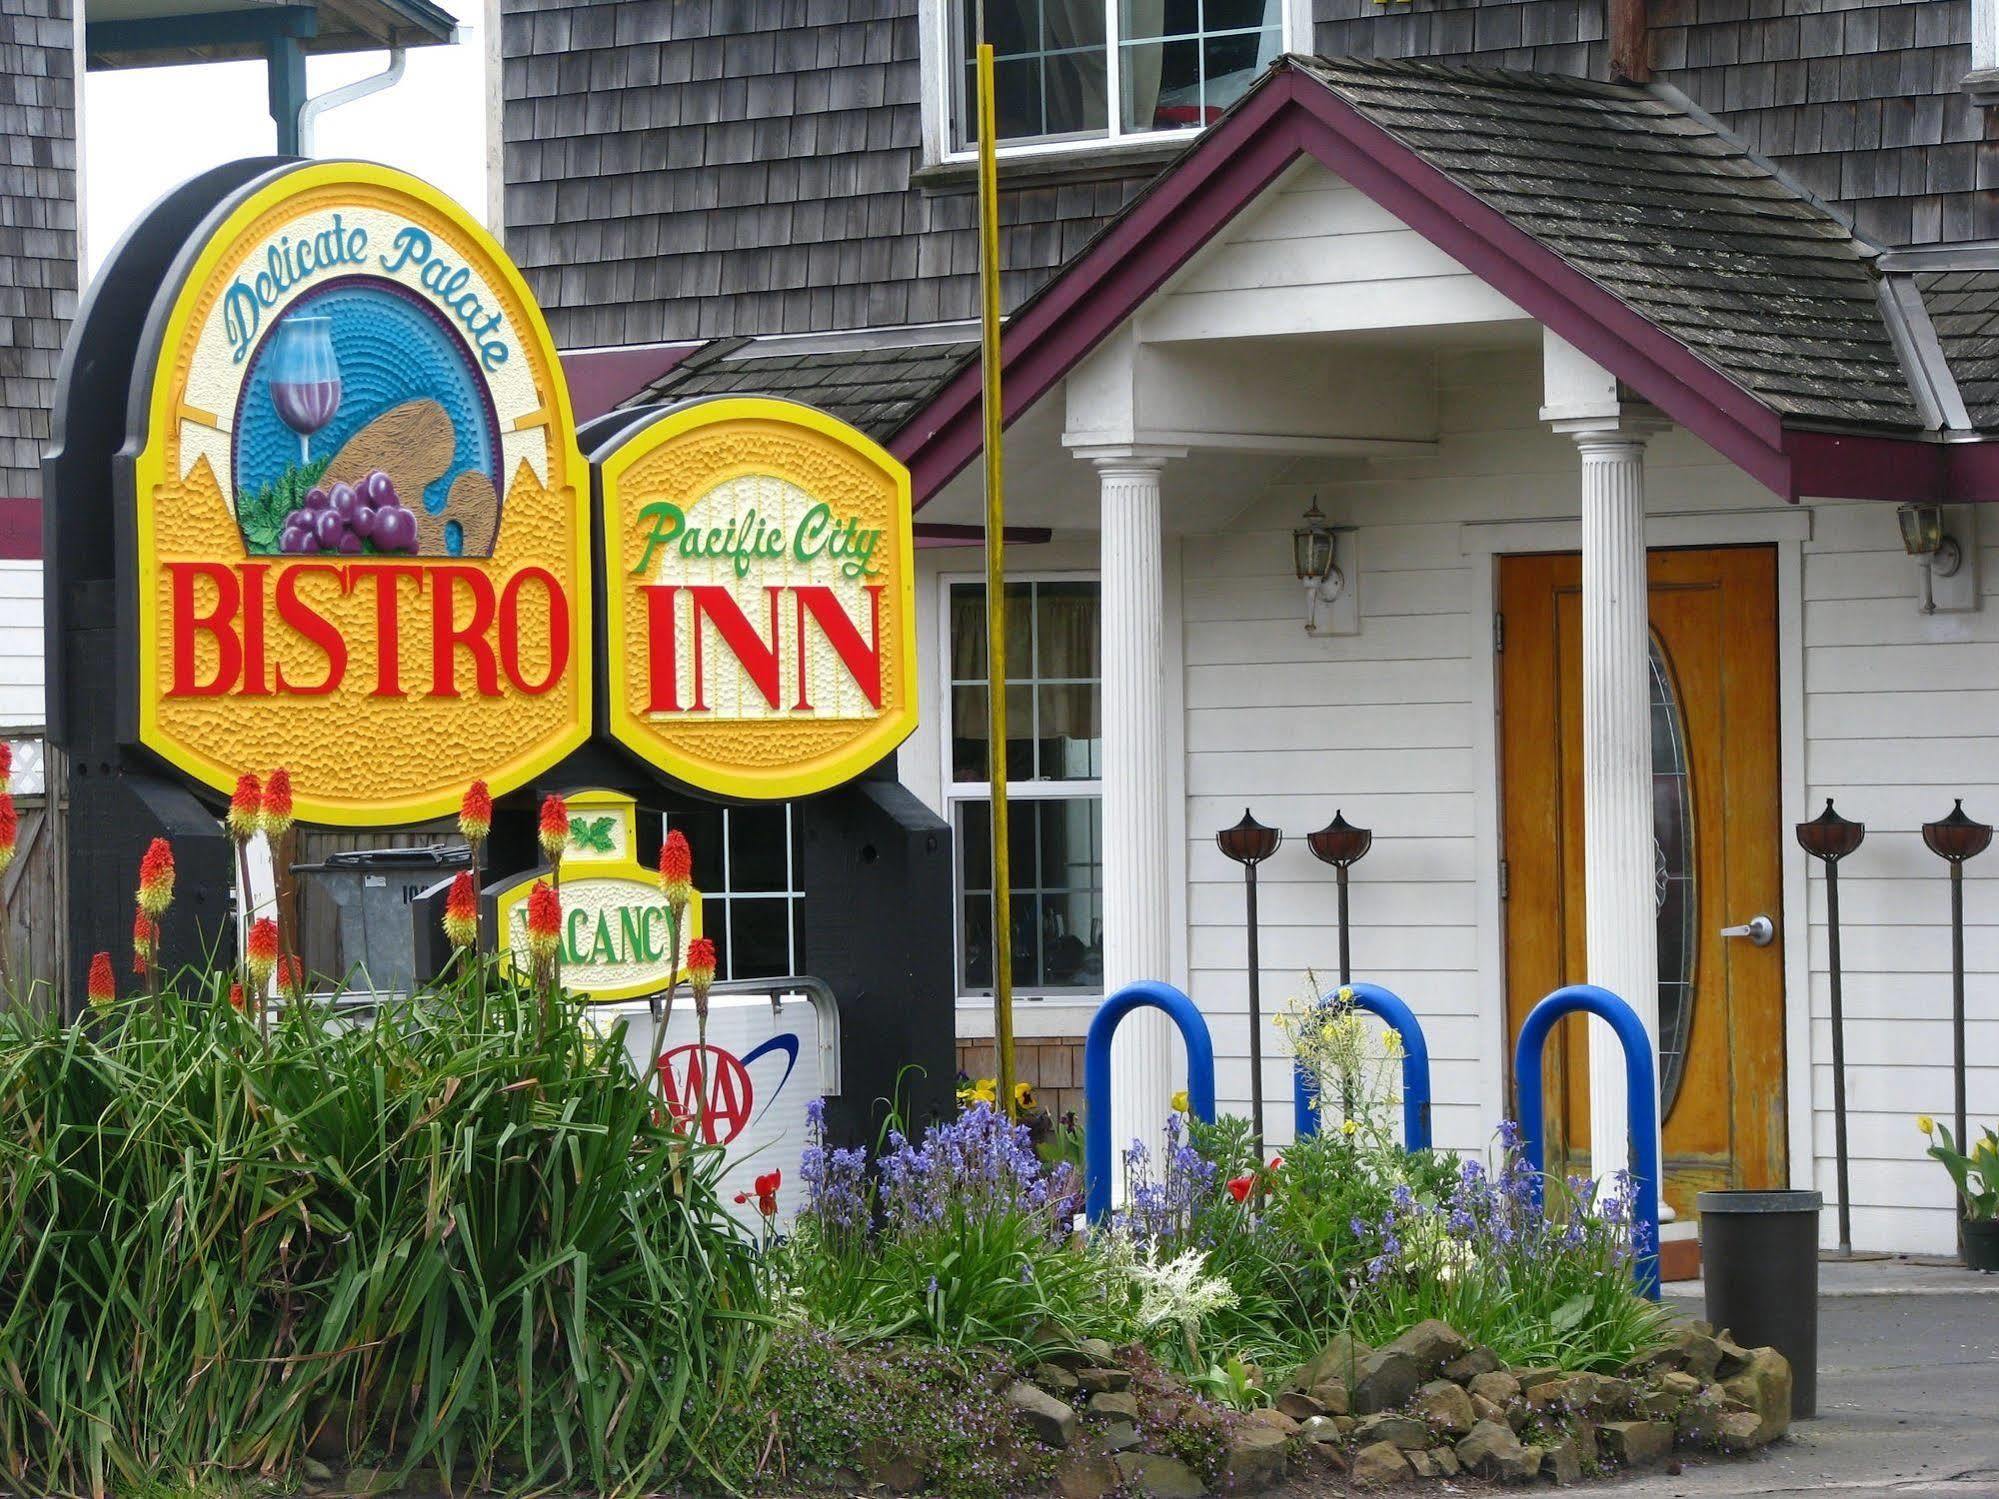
pixel 1016 791
pixel 723 902
pixel 1984 35
pixel 940 66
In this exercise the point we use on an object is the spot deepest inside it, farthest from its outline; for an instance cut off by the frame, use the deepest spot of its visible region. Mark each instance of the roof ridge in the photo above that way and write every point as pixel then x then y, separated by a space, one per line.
pixel 1522 78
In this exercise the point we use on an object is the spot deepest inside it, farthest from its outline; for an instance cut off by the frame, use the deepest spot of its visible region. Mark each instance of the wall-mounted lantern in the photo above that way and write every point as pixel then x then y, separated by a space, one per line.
pixel 1955 839
pixel 1249 843
pixel 1315 556
pixel 1830 838
pixel 1342 845
pixel 1934 540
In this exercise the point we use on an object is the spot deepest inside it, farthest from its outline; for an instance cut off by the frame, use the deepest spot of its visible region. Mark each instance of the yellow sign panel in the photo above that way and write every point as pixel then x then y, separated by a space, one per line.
pixel 362 526
pixel 617 934
pixel 760 634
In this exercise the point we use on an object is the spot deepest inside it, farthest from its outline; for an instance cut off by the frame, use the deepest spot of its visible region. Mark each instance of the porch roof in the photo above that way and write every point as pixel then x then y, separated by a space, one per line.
pixel 1618 216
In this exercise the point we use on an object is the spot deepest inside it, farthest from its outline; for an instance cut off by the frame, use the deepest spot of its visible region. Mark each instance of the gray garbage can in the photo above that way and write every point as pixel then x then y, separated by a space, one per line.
pixel 372 889
pixel 1760 1264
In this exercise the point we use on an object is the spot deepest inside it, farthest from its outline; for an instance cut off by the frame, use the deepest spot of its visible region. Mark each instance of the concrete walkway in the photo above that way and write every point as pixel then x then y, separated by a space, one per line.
pixel 1908 1393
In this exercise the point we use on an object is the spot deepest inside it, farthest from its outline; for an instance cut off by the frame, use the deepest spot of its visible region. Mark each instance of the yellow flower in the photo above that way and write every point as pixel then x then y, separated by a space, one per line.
pixel 1391 1042
pixel 1926 1124
pixel 1023 1096
pixel 1180 1102
pixel 1348 1127
pixel 1345 996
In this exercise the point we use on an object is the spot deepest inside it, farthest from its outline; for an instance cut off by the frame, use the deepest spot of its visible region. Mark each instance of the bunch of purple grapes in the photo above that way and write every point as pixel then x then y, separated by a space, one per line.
pixel 346 516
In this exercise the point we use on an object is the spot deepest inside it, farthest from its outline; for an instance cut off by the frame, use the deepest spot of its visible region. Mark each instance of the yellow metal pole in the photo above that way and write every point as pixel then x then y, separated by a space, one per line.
pixel 996 725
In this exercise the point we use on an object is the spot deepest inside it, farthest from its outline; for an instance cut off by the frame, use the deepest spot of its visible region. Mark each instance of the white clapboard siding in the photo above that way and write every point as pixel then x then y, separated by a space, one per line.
pixel 21 645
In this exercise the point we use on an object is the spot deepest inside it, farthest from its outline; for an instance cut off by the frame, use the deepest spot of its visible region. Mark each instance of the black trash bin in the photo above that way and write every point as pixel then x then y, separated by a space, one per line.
pixel 1760 1263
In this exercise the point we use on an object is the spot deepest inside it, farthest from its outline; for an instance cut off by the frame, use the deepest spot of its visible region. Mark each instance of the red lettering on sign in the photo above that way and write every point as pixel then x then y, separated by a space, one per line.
pixel 510 630
pixel 710 1082
pixel 388 629
pixel 313 626
pixel 254 680
pixel 863 661
pixel 757 657
pixel 218 624
pixel 448 635
pixel 662 649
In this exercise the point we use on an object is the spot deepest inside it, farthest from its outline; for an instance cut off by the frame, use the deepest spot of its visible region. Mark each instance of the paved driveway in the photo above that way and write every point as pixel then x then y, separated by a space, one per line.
pixel 1908 1395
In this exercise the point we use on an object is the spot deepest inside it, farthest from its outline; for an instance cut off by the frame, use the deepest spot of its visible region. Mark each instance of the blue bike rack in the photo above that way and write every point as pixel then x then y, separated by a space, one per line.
pixel 1415 1066
pixel 1097 1075
pixel 1641 1103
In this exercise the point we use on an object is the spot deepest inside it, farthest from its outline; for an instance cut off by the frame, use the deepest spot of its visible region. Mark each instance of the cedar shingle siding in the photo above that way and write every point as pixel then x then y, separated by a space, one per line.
pixel 703 168
pixel 1857 99
pixel 37 226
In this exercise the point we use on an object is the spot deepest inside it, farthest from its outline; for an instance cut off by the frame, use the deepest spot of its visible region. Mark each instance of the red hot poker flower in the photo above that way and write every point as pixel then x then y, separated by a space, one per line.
pixel 676 869
pixel 10 828
pixel 156 879
pixel 291 974
pixel 236 996
pixel 145 941
pixel 475 813
pixel 544 922
pixel 260 953
pixel 554 830
pixel 700 972
pixel 246 808
pixel 103 988
pixel 1239 1187
pixel 461 911
pixel 6 766
pixel 276 812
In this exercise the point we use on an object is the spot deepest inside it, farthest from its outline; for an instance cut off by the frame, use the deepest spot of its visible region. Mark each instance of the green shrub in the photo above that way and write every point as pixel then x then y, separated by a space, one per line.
pixel 455 1237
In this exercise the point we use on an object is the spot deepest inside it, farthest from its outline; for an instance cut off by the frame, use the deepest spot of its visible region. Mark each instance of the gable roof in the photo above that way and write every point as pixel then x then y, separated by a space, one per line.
pixel 1614 215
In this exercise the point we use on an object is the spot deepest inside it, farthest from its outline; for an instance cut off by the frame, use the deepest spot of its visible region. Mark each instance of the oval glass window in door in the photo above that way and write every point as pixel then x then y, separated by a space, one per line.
pixel 1673 878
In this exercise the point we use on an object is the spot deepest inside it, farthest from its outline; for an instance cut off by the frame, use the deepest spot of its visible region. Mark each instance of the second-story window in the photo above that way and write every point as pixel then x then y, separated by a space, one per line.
pixel 1096 69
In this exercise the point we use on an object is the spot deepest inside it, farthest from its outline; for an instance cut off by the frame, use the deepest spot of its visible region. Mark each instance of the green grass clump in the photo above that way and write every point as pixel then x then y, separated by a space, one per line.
pixel 454 1238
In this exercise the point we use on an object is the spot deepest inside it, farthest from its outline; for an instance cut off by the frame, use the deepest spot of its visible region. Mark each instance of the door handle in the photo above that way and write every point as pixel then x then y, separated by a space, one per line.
pixel 1760 930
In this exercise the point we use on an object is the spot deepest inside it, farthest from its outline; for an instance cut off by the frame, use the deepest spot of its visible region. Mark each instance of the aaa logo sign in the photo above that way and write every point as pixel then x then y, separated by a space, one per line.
pixel 361 541
pixel 760 639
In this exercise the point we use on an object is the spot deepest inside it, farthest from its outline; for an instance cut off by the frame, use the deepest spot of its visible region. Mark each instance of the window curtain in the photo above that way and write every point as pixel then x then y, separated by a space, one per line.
pixel 1140 65
pixel 1075 89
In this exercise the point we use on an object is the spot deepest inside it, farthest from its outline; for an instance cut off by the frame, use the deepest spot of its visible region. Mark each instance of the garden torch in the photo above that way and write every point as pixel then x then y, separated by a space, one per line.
pixel 1249 843
pixel 1831 838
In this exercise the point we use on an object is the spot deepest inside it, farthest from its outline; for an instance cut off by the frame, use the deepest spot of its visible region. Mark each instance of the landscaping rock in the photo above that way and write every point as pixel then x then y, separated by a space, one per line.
pixel 1084 1475
pixel 1446 1408
pixel 1384 1380
pixel 1495 1385
pixel 1051 1421
pixel 1094 1381
pixel 1097 1352
pixel 1614 1397
pixel 1319 1429
pixel 1346 1424
pixel 1663 1400
pixel 1483 1409
pixel 1053 1378
pixel 1692 1350
pixel 1398 1430
pixel 1158 1476
pixel 1427 1464
pixel 1562 1461
pixel 1299 1406
pixel 1463 1370
pixel 1700 1416
pixel 1734 1357
pixel 888 1465
pixel 1276 1420
pixel 1256 1458
pixel 1491 1450
pixel 1636 1444
pixel 1332 1397
pixel 1119 1405
pixel 1739 1431
pixel 1380 1464
pixel 1339 1359
pixel 1432 1344
pixel 1763 1384
pixel 1529 1378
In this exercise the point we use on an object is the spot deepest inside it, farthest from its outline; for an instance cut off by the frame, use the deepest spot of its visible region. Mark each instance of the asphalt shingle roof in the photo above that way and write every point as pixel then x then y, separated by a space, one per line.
pixel 875 389
pixel 1666 212
pixel 1964 308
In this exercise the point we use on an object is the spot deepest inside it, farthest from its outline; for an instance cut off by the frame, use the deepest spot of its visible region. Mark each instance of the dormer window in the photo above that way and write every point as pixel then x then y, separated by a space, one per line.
pixel 1084 70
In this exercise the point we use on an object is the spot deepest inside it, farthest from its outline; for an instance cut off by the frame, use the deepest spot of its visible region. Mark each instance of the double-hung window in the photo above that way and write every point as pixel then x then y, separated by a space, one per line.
pixel 1071 70
pixel 1054 757
pixel 746 868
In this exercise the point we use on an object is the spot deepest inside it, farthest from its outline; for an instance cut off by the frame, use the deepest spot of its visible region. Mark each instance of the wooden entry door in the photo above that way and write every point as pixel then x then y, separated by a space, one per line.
pixel 1718 829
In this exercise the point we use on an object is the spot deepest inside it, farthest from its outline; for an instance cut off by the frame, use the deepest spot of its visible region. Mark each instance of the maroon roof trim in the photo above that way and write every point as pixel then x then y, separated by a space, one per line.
pixel 20 529
pixel 1293 115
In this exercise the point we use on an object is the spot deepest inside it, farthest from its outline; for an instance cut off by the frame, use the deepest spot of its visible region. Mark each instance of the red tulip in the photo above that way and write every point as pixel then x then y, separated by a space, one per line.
pixel 1239 1187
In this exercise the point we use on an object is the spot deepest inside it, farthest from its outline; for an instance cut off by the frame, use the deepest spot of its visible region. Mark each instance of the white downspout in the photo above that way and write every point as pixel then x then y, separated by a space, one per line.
pixel 310 111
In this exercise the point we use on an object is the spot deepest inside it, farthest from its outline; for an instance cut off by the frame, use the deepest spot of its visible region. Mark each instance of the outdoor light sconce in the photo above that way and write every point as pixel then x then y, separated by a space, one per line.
pixel 1315 556
pixel 1342 845
pixel 1943 544
pixel 1249 843
pixel 1955 839
pixel 1831 838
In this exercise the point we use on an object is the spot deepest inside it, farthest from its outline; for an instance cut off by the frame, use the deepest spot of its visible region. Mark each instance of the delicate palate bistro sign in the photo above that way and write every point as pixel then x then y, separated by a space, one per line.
pixel 361 539
pixel 360 534
pixel 760 636
pixel 617 939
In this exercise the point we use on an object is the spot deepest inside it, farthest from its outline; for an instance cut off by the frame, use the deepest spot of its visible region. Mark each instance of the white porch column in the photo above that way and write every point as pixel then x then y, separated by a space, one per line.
pixel 1619 850
pixel 1143 1059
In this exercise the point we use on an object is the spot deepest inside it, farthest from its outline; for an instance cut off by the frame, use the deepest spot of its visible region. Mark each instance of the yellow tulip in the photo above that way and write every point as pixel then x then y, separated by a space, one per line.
pixel 1926 1124
pixel 1180 1102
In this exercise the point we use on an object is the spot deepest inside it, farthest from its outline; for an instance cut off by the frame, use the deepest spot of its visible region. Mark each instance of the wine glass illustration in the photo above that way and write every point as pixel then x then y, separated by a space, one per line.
pixel 305 377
